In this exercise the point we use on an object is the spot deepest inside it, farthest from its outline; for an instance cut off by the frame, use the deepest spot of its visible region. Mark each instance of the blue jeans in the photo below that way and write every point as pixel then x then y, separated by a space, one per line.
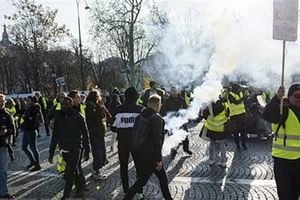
pixel 97 152
pixel 3 171
pixel 29 138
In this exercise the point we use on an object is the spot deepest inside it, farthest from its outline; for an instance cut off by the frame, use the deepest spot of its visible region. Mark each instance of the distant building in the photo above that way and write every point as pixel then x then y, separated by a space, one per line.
pixel 5 43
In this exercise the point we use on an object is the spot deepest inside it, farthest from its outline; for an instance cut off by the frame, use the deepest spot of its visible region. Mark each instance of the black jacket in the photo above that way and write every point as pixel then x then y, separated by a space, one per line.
pixel 155 130
pixel 123 121
pixel 70 132
pixel 95 116
pixel 6 121
pixel 32 118
pixel 173 104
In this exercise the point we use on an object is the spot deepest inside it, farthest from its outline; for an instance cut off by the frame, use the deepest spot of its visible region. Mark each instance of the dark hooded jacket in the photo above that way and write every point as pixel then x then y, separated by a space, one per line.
pixel 32 118
pixel 6 121
pixel 95 119
pixel 70 132
pixel 124 117
pixel 155 129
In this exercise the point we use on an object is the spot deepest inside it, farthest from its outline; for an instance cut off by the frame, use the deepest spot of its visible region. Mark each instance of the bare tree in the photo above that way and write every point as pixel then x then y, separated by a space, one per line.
pixel 122 26
pixel 34 29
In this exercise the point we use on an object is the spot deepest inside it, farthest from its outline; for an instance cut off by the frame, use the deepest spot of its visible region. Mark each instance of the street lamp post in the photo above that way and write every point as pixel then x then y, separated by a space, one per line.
pixel 80 45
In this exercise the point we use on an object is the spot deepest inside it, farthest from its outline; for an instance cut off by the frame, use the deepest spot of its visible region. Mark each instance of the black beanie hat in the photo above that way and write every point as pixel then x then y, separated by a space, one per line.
pixel 131 94
pixel 293 88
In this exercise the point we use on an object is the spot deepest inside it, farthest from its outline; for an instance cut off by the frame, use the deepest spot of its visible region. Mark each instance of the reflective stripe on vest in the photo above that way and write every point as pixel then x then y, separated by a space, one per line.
pixel 237 109
pixel 82 109
pixel 44 102
pixel 290 135
pixel 216 123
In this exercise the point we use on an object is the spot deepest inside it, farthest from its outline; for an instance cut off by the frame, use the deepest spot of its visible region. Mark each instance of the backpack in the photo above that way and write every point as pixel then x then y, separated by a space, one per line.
pixel 140 132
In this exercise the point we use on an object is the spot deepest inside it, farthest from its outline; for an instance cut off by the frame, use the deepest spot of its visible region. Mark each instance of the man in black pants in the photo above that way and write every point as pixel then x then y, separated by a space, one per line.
pixel 122 123
pixel 71 133
pixel 148 158
pixel 173 104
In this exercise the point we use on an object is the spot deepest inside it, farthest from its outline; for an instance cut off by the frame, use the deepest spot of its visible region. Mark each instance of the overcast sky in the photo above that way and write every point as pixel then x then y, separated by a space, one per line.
pixel 67 14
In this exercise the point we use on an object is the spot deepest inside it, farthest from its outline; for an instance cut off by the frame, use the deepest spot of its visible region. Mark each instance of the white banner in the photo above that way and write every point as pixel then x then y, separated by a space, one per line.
pixel 285 20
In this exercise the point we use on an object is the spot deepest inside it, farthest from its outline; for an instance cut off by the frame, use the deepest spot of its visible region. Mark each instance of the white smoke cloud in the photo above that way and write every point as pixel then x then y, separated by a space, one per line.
pixel 217 38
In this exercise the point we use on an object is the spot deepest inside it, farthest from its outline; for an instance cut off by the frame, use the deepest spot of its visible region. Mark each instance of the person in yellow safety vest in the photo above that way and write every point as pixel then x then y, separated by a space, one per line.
pixel 55 108
pixel 74 94
pixel 139 100
pixel 238 114
pixel 216 117
pixel 187 97
pixel 11 108
pixel 286 142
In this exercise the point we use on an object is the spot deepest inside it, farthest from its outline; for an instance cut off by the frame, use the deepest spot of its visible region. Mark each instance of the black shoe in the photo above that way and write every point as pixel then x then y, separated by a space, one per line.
pixel 79 194
pixel 188 151
pixel 36 168
pixel 238 147
pixel 244 146
pixel 39 136
pixel 173 154
pixel 12 157
pixel 30 165
pixel 48 134
pixel 7 196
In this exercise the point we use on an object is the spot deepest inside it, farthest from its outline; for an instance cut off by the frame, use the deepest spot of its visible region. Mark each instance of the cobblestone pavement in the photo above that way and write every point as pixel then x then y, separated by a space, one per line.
pixel 248 174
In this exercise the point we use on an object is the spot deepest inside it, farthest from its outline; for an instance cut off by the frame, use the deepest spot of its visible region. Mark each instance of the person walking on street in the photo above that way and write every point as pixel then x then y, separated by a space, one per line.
pixel 31 120
pixel 286 142
pixel 173 104
pixel 122 123
pixel 96 123
pixel 238 114
pixel 215 118
pixel 148 157
pixel 7 128
pixel 71 134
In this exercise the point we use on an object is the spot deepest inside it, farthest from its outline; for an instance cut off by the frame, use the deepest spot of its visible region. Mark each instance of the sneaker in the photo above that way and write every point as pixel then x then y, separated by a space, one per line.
pixel 188 152
pixel 79 194
pixel 141 196
pixel 173 154
pixel 7 196
pixel 211 163
pixel 36 168
pixel 99 176
pixel 222 164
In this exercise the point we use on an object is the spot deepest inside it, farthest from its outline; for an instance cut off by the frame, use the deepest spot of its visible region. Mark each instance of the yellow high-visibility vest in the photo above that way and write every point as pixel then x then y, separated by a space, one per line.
pixel 44 103
pixel 216 123
pixel 58 106
pixel 237 109
pixel 82 109
pixel 12 111
pixel 286 143
pixel 61 164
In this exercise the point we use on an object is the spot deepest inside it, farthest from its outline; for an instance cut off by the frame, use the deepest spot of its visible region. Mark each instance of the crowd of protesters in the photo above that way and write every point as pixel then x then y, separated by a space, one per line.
pixel 79 124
